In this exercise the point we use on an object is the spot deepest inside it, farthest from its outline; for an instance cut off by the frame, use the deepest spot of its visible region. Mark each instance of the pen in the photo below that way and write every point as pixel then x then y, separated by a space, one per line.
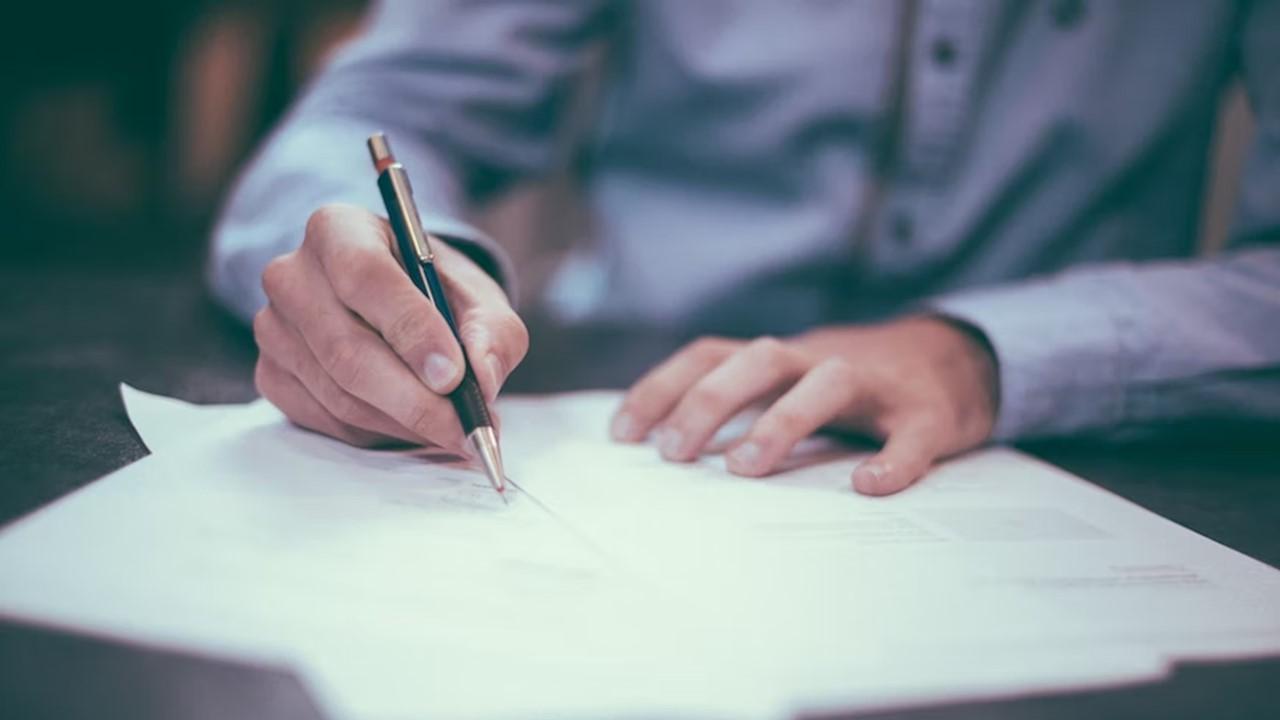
pixel 419 263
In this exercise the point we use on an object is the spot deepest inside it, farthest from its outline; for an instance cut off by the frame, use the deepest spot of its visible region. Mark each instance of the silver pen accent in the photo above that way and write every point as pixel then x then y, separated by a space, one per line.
pixel 485 441
pixel 414 244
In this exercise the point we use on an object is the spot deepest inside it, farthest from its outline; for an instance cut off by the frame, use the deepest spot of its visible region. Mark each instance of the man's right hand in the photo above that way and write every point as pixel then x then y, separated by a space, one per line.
pixel 350 348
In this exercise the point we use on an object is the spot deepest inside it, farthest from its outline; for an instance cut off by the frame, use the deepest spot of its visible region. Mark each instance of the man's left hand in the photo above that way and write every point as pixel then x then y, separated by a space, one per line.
pixel 925 386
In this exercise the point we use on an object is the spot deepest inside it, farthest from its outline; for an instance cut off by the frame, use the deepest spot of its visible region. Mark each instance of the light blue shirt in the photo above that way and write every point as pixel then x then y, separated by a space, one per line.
pixel 1033 168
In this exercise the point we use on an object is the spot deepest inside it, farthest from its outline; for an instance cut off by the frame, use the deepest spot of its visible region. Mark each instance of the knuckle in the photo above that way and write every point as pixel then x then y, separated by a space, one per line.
pixel 261 327
pixel 705 397
pixel 785 421
pixel 838 371
pixel 275 276
pixel 769 353
pixel 354 262
pixel 321 223
pixel 768 346
pixel 268 335
pixel 346 363
pixel 514 334
pixel 346 408
pixel 422 419
pixel 709 347
pixel 426 420
pixel 262 380
pixel 407 329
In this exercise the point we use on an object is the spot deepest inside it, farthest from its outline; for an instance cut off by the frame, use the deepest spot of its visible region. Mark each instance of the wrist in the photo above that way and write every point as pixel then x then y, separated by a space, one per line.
pixel 974 365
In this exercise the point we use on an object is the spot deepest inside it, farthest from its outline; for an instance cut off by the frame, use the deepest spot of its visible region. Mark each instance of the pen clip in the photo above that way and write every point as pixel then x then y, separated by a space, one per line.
pixel 397 195
pixel 408 213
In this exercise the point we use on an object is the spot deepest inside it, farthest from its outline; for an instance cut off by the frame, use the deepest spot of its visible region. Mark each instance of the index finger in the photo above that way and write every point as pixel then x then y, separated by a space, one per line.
pixel 355 251
pixel 653 396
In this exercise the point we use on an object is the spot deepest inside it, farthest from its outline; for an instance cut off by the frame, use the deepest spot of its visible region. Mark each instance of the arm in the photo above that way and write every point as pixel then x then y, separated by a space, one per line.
pixel 1096 349
pixel 1134 347
pixel 1126 347
pixel 470 92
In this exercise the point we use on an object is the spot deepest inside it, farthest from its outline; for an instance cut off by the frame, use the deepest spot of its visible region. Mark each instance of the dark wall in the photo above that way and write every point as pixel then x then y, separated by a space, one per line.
pixel 121 123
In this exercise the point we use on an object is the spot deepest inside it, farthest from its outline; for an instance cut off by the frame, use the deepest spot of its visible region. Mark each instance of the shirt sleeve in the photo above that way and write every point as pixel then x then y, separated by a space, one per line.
pixel 1122 348
pixel 470 92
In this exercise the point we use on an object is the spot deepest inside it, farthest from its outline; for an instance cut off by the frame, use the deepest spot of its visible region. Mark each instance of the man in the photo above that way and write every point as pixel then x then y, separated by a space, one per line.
pixel 965 220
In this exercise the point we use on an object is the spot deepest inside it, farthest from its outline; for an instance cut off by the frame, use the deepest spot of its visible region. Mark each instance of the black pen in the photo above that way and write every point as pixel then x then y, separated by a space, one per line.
pixel 419 263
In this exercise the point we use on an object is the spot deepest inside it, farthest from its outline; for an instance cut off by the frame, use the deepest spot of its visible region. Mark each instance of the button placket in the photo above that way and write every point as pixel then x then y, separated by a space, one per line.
pixel 1067 14
pixel 902 227
pixel 943 51
pixel 949 38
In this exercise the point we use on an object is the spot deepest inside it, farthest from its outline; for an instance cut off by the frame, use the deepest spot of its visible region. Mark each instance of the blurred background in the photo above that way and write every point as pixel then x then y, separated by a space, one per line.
pixel 122 124
pixel 121 127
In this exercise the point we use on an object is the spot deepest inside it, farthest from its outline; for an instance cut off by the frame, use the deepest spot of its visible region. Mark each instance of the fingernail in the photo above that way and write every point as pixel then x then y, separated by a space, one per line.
pixel 439 371
pixel 745 458
pixel 669 442
pixel 869 476
pixel 622 427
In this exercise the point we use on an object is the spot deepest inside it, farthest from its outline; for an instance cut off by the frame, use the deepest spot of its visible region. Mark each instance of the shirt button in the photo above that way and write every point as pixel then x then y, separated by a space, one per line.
pixel 1067 13
pixel 901 228
pixel 943 52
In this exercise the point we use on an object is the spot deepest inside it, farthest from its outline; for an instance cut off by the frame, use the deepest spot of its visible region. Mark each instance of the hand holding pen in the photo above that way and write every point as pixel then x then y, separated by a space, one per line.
pixel 351 348
pixel 417 255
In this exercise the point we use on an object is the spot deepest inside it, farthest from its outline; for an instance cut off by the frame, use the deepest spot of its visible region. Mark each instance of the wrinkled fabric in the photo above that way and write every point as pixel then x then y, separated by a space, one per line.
pixel 1035 169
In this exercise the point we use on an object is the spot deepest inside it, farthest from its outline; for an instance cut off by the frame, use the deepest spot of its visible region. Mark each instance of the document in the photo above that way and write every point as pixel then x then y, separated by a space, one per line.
pixel 397 583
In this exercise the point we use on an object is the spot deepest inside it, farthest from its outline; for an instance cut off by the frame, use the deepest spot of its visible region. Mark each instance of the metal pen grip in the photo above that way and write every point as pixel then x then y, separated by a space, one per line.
pixel 467 399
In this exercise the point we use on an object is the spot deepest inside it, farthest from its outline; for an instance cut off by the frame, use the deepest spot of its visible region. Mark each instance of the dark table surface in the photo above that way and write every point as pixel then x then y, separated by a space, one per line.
pixel 69 335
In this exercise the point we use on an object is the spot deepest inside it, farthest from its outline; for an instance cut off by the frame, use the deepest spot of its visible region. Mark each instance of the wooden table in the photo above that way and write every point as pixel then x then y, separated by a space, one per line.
pixel 69 335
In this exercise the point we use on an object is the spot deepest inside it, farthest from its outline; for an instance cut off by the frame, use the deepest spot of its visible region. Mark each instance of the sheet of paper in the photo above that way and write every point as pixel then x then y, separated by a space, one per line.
pixel 399 585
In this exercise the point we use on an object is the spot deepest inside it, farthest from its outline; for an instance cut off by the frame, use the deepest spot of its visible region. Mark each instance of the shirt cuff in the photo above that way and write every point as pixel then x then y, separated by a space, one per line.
pixel 311 166
pixel 479 249
pixel 1060 348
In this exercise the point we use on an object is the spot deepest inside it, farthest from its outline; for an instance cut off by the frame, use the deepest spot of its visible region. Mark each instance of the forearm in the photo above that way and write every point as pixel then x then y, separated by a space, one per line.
pixel 470 95
pixel 1117 347
pixel 315 161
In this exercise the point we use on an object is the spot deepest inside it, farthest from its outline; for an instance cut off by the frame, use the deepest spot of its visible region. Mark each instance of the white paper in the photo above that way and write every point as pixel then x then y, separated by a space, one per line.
pixel 622 585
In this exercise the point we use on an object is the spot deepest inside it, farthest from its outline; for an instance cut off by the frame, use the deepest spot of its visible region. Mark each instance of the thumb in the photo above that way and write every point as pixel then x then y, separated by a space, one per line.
pixel 908 453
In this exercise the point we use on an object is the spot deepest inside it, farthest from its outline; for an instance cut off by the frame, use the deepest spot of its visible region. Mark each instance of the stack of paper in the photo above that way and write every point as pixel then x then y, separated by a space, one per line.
pixel 398 584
